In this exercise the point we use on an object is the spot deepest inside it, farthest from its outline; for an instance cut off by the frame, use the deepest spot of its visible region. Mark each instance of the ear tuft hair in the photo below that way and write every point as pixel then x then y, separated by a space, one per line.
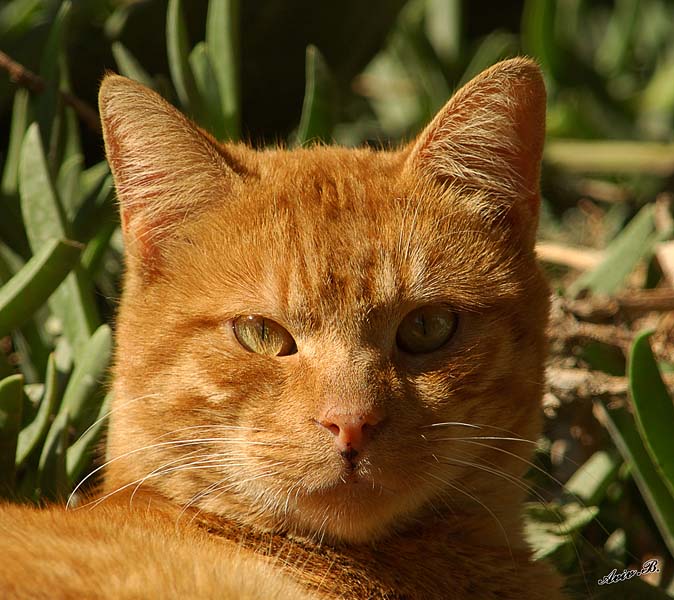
pixel 490 135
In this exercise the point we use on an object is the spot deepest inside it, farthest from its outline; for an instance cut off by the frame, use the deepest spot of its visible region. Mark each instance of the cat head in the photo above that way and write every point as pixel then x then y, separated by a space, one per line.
pixel 325 340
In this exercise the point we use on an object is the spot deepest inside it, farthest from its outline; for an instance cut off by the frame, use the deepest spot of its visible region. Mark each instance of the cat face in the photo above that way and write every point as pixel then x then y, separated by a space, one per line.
pixel 325 340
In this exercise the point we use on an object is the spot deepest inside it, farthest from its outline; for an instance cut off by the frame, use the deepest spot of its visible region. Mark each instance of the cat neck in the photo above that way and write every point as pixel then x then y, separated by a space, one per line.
pixel 450 543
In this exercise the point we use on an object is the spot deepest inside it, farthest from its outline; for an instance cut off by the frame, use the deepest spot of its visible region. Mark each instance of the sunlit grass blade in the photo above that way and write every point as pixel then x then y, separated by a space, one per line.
pixel 11 402
pixel 611 157
pixel 34 433
pixel 622 255
pixel 81 452
pixel 654 408
pixel 222 42
pixel 318 110
pixel 30 288
pixel 655 493
pixel 552 529
pixel 590 481
pixel 129 66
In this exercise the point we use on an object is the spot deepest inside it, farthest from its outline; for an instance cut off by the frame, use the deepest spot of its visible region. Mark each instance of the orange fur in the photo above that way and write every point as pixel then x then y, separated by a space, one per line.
pixel 337 246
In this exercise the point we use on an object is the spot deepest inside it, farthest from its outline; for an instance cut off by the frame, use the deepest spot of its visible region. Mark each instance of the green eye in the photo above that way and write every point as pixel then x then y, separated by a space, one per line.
pixel 263 336
pixel 426 329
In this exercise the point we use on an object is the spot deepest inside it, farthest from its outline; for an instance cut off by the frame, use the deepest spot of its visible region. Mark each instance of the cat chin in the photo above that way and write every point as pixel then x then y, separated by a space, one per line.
pixel 354 512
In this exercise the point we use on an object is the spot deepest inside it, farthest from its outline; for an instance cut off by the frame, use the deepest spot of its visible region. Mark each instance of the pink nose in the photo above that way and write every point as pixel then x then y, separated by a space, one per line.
pixel 351 431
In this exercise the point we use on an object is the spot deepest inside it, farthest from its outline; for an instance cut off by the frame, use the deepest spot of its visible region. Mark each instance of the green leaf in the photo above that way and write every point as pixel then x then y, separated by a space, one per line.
pixel 52 474
pixel 443 25
pixel 87 378
pixel 93 177
pixel 539 36
pixel 30 288
pixel 129 66
pixel 68 184
pixel 654 408
pixel 178 56
pixel 42 210
pixel 97 208
pixel 207 86
pixel 495 46
pixel 49 102
pixel 44 218
pixel 655 493
pixel 79 455
pixel 590 481
pixel 613 53
pixel 32 435
pixel 222 43
pixel 11 403
pixel 18 17
pixel 622 255
pixel 97 246
pixel 552 528
pixel 318 110
pixel 20 120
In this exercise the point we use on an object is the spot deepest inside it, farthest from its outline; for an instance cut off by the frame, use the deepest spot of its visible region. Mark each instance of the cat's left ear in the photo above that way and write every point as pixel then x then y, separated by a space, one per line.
pixel 489 137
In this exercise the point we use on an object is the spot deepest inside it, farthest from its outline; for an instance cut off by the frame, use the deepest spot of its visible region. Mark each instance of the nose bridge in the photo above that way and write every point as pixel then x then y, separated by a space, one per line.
pixel 352 384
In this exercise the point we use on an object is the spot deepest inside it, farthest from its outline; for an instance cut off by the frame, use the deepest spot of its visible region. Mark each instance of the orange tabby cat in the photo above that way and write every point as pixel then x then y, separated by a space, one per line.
pixel 329 365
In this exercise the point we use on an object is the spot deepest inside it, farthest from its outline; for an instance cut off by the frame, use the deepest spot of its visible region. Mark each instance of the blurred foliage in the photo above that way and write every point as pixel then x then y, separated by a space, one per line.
pixel 353 73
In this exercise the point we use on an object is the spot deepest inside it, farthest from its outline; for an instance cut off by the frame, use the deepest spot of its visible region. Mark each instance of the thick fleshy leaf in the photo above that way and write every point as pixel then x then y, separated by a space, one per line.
pixel 30 288
pixel 621 256
pixel 654 408
pixel 87 378
pixel 11 402
pixel 34 433
pixel 52 476
pixel 45 220
pixel 81 453
pixel 655 493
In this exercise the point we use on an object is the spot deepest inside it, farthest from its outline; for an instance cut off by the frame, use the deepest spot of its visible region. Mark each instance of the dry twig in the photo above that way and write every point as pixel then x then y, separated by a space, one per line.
pixel 29 80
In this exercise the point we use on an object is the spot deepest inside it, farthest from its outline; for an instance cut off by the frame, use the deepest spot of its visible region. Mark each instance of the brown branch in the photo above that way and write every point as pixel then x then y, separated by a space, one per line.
pixel 579 384
pixel 34 83
pixel 633 302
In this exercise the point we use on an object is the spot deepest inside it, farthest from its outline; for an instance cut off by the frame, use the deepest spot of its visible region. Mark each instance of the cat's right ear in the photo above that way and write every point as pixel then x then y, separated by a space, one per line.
pixel 165 168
